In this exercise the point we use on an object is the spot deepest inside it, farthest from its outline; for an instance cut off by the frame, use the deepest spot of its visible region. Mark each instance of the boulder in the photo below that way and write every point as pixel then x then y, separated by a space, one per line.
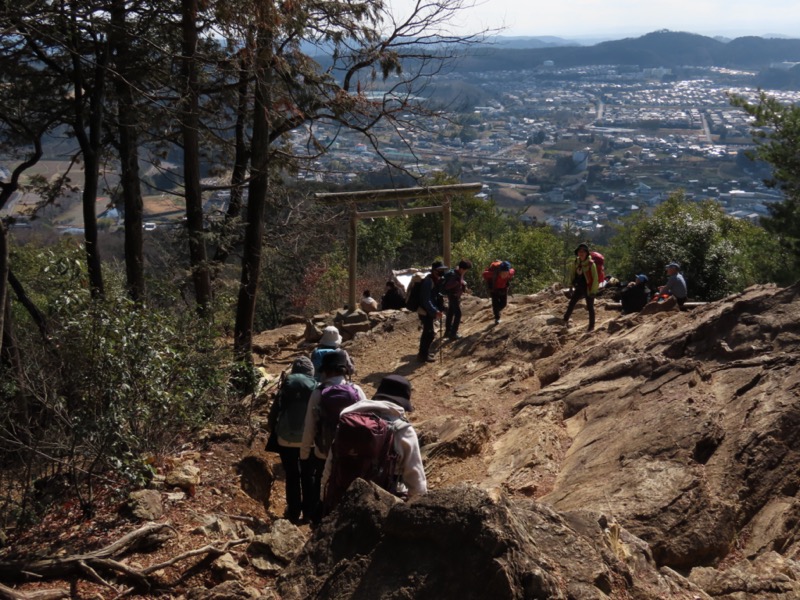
pixel 185 476
pixel 768 577
pixel 463 543
pixel 313 332
pixel 229 590
pixel 145 505
pixel 256 478
pixel 270 553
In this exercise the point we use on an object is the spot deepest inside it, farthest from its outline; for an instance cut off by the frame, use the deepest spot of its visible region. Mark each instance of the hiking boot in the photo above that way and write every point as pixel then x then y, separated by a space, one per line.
pixel 497 321
pixel 426 358
pixel 455 336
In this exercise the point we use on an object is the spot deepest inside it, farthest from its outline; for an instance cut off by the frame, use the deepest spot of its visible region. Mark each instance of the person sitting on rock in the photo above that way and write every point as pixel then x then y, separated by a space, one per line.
pixel 635 295
pixel 392 299
pixel 676 284
pixel 367 303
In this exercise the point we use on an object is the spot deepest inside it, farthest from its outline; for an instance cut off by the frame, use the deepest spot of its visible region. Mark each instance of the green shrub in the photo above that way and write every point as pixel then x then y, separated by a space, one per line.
pixel 116 384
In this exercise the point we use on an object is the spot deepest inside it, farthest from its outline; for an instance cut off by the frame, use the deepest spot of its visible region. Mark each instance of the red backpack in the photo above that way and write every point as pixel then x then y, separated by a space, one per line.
pixel 332 400
pixel 599 261
pixel 363 448
pixel 490 274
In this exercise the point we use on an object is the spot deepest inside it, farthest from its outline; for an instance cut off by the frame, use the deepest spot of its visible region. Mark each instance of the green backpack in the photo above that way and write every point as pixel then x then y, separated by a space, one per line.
pixel 292 402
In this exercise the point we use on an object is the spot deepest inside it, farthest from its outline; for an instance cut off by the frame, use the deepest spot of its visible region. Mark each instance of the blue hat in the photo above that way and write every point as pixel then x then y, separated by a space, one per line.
pixel 641 277
pixel 673 265
pixel 505 266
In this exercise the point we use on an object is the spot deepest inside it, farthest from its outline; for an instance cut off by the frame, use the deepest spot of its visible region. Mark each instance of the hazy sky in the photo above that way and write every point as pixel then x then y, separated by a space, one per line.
pixel 589 18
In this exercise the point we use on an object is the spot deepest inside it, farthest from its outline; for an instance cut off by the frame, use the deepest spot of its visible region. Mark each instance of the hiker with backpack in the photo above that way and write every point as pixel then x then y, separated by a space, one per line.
pixel 375 442
pixel 585 283
pixel 286 421
pixel 454 286
pixel 430 307
pixel 498 277
pixel 334 393
pixel 330 341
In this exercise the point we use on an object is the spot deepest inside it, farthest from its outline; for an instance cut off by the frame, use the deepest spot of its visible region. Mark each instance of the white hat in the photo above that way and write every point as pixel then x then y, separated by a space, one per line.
pixel 330 336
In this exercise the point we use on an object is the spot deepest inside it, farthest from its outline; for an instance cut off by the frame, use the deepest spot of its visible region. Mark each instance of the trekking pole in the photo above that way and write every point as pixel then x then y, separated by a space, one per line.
pixel 441 342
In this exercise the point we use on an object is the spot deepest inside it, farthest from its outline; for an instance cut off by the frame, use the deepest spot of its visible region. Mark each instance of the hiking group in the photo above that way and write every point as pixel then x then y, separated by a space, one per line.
pixel 327 432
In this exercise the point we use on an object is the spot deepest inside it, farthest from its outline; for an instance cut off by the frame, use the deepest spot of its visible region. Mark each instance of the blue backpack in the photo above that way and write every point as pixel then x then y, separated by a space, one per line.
pixel 316 360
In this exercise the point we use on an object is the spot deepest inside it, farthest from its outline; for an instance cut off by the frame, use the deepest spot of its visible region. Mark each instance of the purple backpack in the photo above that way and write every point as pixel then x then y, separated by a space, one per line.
pixel 332 400
pixel 362 448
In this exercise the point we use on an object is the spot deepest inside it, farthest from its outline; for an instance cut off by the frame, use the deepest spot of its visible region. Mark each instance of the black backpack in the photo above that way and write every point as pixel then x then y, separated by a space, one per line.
pixel 414 296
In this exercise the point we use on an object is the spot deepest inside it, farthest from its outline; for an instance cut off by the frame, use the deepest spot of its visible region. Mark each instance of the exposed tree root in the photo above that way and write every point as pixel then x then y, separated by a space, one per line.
pixel 89 566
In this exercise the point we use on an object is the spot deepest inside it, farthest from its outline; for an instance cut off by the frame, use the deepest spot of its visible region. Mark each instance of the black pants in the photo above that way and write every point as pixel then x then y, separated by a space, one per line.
pixel 303 480
pixel 428 334
pixel 453 315
pixel 577 294
pixel 499 302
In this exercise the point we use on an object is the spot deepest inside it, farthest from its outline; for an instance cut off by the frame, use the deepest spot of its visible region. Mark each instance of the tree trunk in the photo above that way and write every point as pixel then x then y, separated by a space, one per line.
pixel 240 162
pixel 91 166
pixel 128 156
pixel 4 269
pixel 190 123
pixel 90 144
pixel 256 205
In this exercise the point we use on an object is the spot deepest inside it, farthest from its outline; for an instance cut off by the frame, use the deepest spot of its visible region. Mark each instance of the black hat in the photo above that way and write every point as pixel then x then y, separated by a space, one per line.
pixel 334 361
pixel 584 246
pixel 397 389
pixel 438 266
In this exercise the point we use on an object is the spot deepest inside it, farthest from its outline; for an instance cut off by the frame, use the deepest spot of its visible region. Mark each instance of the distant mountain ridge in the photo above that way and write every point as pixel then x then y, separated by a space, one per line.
pixel 523 42
pixel 656 49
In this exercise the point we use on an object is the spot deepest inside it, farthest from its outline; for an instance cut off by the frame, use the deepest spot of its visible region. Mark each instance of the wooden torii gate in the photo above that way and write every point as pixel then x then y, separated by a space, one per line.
pixel 442 193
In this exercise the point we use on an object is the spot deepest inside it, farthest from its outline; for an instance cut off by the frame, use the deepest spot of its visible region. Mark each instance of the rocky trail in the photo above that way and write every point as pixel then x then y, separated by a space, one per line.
pixel 656 457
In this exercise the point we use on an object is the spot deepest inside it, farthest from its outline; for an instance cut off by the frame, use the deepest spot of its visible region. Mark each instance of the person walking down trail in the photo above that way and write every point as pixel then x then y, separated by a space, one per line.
pixel 584 280
pixel 635 295
pixel 430 309
pixel 367 303
pixel 329 342
pixel 676 284
pixel 454 286
pixel 375 442
pixel 286 420
pixel 498 277
pixel 392 299
pixel 321 418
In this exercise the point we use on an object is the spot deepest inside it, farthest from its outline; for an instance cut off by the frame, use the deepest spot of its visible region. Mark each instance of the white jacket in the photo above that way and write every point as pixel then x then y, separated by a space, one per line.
pixel 406 444
pixel 312 416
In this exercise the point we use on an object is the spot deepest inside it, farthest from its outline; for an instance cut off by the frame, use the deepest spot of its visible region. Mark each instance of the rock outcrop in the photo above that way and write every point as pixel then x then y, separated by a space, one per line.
pixel 656 457
pixel 463 543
